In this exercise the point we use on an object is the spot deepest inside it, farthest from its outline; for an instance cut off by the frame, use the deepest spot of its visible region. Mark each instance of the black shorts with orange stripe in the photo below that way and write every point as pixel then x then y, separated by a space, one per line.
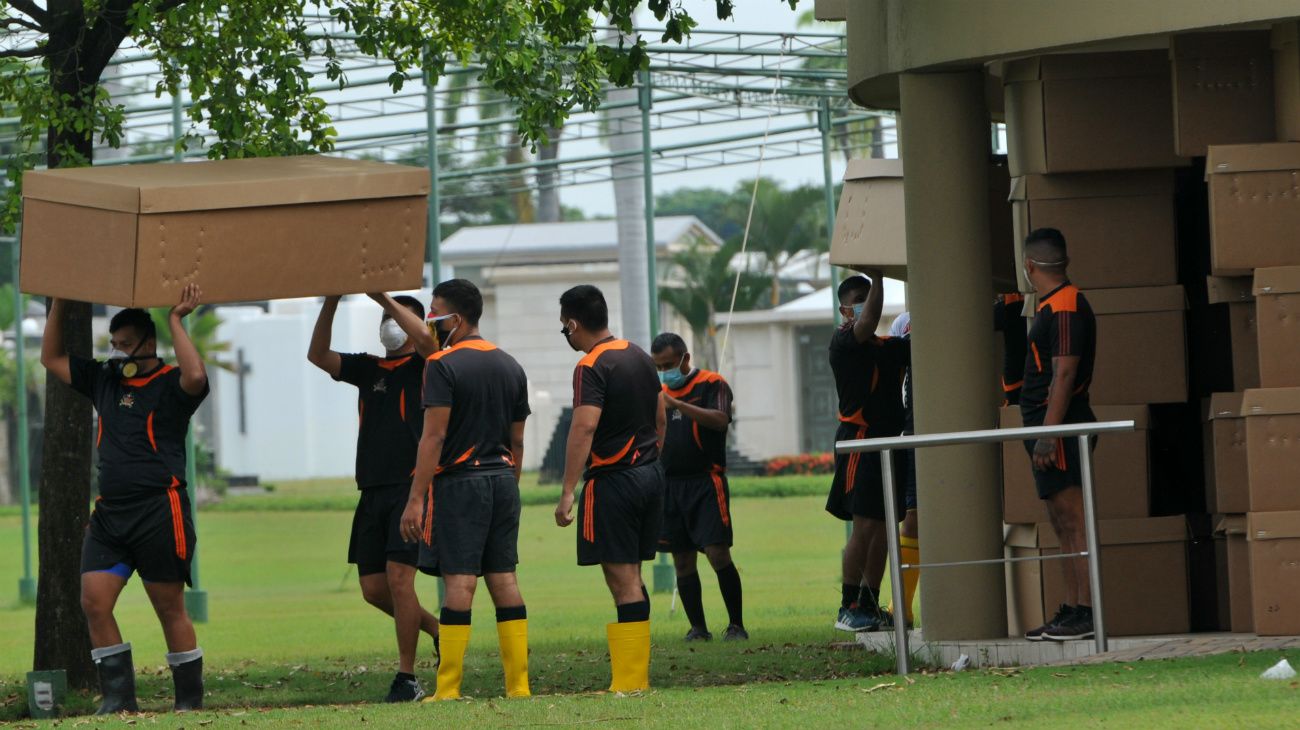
pixel 697 513
pixel 620 515
pixel 152 535
pixel 858 488
pixel 471 525
pixel 1067 470
pixel 376 537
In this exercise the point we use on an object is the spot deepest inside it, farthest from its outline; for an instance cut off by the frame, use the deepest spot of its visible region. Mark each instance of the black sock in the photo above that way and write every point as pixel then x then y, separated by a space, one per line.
pixel 849 595
pixel 692 595
pixel 633 612
pixel 729 584
pixel 452 617
pixel 869 599
pixel 406 677
pixel 512 613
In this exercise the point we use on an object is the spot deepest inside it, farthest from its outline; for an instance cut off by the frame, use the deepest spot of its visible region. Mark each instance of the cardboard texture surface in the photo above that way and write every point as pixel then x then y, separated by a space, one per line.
pixel 1237 294
pixel 1226 457
pixel 1223 89
pixel 1085 112
pixel 1233 528
pixel 870 226
pixel 1025 580
pixel 1143 573
pixel 244 230
pixel 1286 80
pixel 1139 330
pixel 1274 545
pixel 1254 207
pixel 1121 464
pixel 1277 318
pixel 1272 448
pixel 1119 227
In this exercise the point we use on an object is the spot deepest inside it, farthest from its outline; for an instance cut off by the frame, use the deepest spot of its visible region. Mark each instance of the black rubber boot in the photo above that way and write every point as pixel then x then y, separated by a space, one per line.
pixel 188 680
pixel 117 683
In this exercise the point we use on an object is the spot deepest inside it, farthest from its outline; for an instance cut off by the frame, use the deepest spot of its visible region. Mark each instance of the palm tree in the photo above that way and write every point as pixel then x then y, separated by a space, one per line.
pixel 202 326
pixel 707 279
pixel 784 224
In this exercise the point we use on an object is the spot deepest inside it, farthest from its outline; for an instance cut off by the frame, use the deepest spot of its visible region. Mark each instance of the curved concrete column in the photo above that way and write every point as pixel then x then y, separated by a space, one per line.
pixel 944 133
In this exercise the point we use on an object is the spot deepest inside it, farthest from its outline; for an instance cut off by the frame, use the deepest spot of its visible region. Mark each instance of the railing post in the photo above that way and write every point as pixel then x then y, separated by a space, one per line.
pixel 903 660
pixel 1094 545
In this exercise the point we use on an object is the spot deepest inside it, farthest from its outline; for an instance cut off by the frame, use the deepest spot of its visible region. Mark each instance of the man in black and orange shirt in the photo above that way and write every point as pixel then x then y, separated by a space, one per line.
pixel 869 373
pixel 697 502
pixel 388 409
pixel 614 447
pixel 462 507
pixel 1058 371
pixel 141 521
pixel 1008 320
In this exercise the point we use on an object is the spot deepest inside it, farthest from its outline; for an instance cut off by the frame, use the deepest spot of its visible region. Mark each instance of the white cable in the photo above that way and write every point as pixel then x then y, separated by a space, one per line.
pixel 753 198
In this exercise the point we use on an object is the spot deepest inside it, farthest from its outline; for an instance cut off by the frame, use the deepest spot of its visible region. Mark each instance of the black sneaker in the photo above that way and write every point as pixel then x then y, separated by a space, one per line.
pixel 1062 613
pixel 404 690
pixel 1078 625
pixel 698 634
pixel 884 620
pixel 735 633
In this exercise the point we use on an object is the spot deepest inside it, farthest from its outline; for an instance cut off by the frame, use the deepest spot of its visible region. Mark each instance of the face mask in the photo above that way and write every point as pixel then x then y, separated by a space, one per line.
pixel 857 310
pixel 568 337
pixel 124 365
pixel 674 378
pixel 441 335
pixel 391 335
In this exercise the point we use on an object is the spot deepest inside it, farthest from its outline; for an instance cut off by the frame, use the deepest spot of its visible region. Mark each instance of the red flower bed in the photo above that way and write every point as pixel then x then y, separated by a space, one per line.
pixel 801 464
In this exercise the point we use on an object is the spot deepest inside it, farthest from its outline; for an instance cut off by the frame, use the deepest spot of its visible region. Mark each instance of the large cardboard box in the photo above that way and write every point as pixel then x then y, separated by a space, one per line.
pixel 1223 89
pixel 1141 345
pixel 1121 466
pixel 1254 211
pixel 1024 580
pixel 1237 294
pixel 1143 576
pixel 1274 542
pixel 1084 112
pixel 1277 319
pixel 1286 80
pixel 1233 529
pixel 1119 226
pixel 870 226
pixel 1272 448
pixel 242 230
pixel 1229 476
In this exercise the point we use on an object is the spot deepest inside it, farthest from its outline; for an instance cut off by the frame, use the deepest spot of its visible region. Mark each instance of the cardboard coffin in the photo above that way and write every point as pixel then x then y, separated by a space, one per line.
pixel 1084 112
pixel 1237 295
pixel 1240 613
pixel 1277 321
pixel 1227 471
pixel 1141 346
pixel 1254 211
pixel 1286 80
pixel 243 230
pixel 1121 463
pixel 1273 539
pixel 1223 89
pixel 1272 448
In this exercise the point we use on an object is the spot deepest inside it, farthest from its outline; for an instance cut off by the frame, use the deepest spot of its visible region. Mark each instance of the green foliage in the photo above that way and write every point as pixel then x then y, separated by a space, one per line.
pixel 784 224
pixel 249 66
pixel 714 207
pixel 706 282
pixel 203 325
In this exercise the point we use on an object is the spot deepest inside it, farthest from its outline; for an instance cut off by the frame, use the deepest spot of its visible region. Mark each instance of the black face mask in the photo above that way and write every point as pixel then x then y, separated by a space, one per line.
pixel 568 337
pixel 442 334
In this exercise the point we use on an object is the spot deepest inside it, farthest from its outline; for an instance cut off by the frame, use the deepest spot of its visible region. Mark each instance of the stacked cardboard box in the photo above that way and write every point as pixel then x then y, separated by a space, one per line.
pixel 1092 146
pixel 1254 219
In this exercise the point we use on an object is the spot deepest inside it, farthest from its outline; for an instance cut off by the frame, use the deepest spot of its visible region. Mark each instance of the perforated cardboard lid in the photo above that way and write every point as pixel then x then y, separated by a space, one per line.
pixel 1277 280
pixel 220 184
pixel 1272 525
pixel 1270 402
pixel 1228 289
pixel 1225 405
pixel 868 169
pixel 1071 186
pixel 1231 525
pixel 1236 158
pixel 1138 299
pixel 1132 531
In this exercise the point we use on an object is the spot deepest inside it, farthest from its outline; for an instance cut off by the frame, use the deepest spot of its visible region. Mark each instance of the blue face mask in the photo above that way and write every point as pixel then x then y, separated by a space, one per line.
pixel 857 310
pixel 673 378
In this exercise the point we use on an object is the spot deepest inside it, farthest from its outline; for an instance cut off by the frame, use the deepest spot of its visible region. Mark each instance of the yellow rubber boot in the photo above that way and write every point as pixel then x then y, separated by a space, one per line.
pixel 454 641
pixel 629 656
pixel 910 547
pixel 513 636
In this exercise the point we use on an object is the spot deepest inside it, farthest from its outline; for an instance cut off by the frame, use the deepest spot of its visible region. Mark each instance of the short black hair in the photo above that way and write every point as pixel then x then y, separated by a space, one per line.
pixel 852 285
pixel 465 298
pixel 138 320
pixel 410 303
pixel 1046 246
pixel 666 341
pixel 587 305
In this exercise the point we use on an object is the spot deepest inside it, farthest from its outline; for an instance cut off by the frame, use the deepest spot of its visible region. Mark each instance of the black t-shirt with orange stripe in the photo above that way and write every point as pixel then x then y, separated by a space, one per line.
pixel 487 391
pixel 1008 319
pixel 689 448
pixel 389 414
pixel 869 380
pixel 1064 326
pixel 141 429
pixel 619 378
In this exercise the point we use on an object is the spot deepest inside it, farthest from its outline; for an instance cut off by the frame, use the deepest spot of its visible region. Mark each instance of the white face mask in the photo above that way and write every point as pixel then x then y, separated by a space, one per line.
pixel 391 335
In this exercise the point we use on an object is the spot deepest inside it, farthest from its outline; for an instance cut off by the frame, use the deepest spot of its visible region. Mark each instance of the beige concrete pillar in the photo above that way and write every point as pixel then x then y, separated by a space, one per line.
pixel 944 135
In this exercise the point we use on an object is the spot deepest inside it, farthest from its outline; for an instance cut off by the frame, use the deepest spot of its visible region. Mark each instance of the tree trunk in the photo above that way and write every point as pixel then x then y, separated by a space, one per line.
pixel 548 194
pixel 523 197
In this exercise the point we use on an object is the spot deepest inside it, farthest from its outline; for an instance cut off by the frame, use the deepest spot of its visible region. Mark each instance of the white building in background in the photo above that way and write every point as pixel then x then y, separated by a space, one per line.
pixel 778 365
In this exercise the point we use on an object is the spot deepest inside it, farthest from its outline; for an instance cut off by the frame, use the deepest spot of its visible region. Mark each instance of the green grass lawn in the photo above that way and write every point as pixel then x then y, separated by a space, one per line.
pixel 291 642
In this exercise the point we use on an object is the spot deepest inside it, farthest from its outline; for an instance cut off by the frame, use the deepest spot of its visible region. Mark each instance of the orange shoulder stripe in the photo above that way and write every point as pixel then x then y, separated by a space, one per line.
pixel 480 345
pixel 141 382
pixel 601 349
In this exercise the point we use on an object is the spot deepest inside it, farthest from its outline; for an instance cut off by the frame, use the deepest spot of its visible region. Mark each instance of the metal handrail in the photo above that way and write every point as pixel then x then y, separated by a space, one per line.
pixel 886 446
